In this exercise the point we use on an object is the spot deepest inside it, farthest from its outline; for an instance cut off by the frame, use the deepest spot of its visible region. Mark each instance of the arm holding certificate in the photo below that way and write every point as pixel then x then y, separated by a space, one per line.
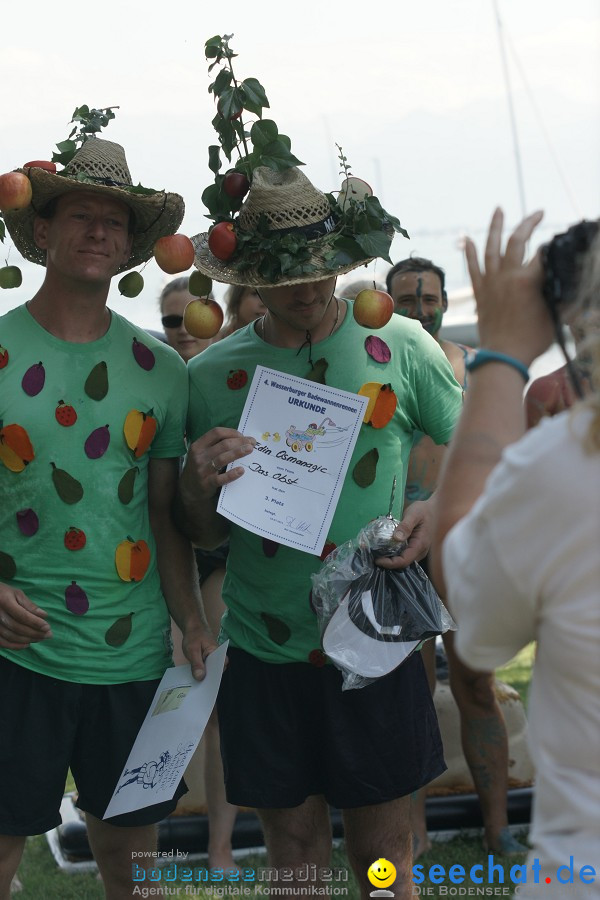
pixel 202 478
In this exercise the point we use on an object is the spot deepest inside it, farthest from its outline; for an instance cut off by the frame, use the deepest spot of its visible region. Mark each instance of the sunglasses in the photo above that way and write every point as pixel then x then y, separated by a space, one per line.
pixel 171 321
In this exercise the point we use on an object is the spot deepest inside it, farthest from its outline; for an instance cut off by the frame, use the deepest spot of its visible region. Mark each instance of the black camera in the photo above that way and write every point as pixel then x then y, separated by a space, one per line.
pixel 562 258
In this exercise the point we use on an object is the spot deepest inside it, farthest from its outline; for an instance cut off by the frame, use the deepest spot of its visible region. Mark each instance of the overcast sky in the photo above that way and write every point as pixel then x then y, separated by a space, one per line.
pixel 414 92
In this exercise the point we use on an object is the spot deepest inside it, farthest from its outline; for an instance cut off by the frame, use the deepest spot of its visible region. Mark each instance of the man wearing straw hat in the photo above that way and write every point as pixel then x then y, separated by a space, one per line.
pixel 92 415
pixel 304 744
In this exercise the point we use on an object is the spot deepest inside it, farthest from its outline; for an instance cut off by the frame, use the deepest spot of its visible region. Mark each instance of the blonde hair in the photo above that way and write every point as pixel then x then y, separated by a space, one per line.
pixel 233 301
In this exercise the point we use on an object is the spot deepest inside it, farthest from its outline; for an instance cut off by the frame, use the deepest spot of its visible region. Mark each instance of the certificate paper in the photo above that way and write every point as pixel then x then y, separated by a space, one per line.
pixel 306 433
pixel 168 737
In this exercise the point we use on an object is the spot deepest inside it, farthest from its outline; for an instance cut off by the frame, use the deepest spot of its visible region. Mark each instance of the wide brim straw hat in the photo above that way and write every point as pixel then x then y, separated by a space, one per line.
pixel 289 203
pixel 100 167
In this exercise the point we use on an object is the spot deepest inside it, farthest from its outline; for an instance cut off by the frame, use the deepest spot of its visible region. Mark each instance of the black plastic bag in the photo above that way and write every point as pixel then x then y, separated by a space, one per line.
pixel 372 619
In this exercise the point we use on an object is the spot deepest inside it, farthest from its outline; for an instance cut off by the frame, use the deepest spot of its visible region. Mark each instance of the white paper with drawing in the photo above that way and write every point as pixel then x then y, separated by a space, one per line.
pixel 168 737
pixel 306 433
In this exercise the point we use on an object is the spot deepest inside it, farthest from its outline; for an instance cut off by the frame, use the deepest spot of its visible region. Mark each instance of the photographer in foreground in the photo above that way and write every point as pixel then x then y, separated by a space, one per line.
pixel 516 544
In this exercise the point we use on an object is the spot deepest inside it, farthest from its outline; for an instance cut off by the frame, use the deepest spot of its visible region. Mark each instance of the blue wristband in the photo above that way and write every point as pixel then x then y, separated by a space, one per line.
pixel 480 357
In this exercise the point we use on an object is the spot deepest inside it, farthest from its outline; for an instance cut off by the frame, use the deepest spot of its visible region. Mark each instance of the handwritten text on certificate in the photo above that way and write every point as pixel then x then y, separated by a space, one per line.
pixel 306 433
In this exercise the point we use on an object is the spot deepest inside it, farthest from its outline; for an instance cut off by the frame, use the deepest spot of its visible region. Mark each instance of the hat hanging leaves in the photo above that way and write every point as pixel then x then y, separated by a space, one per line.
pixel 88 123
pixel 271 225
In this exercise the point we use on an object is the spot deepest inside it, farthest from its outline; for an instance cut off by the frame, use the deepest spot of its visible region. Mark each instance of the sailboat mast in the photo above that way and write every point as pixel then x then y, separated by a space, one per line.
pixel 513 121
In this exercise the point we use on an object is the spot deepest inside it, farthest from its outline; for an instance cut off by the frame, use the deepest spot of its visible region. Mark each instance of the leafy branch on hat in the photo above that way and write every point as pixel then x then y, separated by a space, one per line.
pixel 363 229
pixel 89 122
pixel 262 145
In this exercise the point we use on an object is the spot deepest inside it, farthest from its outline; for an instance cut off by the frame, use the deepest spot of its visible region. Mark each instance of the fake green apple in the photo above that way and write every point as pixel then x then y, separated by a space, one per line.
pixel 10 277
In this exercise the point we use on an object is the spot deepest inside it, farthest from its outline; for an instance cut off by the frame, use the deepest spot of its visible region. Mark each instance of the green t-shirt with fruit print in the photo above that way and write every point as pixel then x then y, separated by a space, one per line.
pixel 267 585
pixel 79 424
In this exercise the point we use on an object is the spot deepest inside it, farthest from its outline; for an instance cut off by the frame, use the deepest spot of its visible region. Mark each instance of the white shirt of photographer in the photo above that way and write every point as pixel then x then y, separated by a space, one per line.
pixel 524 565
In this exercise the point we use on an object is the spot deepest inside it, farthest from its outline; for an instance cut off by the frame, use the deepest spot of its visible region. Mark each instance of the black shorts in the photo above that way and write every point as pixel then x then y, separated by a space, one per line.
pixel 47 726
pixel 288 731
pixel 208 561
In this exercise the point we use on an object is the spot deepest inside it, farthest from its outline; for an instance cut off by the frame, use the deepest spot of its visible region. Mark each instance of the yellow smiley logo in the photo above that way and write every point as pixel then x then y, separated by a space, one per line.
pixel 381 873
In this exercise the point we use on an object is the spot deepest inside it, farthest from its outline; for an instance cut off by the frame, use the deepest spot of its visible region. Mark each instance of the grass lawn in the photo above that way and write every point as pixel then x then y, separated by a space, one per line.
pixel 43 880
pixel 518 672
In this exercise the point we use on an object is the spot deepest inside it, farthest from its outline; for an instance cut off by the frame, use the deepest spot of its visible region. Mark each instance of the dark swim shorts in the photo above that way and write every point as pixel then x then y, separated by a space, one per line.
pixel 50 725
pixel 288 731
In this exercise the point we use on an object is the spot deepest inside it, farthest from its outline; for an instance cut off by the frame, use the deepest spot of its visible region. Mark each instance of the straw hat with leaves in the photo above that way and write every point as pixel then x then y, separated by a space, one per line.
pixel 286 231
pixel 98 166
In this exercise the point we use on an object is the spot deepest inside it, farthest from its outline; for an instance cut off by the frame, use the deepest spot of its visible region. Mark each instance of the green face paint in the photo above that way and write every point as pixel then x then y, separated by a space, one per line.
pixel 433 323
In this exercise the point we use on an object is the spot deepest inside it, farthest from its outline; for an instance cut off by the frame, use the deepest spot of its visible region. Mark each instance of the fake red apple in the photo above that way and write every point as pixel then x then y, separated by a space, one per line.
pixel 41 164
pixel 222 240
pixel 235 184
pixel 15 191
pixel 174 253
pixel 353 189
pixel 373 308
pixel 203 318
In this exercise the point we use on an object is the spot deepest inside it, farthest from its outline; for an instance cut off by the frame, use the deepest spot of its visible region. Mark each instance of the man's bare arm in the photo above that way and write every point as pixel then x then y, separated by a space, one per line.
pixel 202 478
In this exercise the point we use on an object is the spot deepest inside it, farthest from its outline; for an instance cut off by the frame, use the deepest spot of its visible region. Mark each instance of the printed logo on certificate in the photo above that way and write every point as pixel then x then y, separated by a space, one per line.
pixel 305 434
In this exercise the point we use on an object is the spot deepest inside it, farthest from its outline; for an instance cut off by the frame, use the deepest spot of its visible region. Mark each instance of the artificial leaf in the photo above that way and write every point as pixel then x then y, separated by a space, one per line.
pixel 263 132
pixel 137 189
pixel 211 47
pixel 230 102
pixel 214 158
pixel 278 631
pixel 270 548
pixel 227 134
pixel 376 243
pixel 377 349
pixel 68 488
pixel 126 485
pixel 365 470
pixel 222 81
pixel 277 156
pixel 217 201
pixel 119 631
pixel 376 213
pixel 317 371
pixel 255 98
pixel 345 251
pixel 66 151
pixel 96 384
pixel 8 567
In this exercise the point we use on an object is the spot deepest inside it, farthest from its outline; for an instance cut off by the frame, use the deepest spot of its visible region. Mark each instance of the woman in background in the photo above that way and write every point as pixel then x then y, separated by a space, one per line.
pixel 173 300
pixel 242 305
pixel 211 570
